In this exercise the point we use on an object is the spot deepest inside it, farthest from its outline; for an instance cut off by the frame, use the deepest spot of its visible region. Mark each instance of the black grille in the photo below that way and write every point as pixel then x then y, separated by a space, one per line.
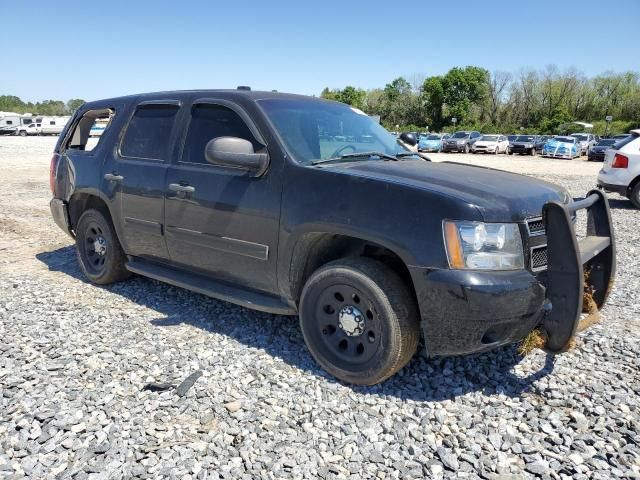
pixel 539 258
pixel 535 226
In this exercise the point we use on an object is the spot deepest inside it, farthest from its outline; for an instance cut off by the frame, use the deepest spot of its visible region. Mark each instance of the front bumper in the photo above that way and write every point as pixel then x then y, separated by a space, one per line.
pixel 453 148
pixel 521 149
pixel 467 311
pixel 596 156
pixel 60 214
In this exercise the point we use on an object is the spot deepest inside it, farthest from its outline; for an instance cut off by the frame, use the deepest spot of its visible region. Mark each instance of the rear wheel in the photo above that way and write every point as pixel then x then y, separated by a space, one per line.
pixel 359 320
pixel 635 195
pixel 99 252
pixel 23 133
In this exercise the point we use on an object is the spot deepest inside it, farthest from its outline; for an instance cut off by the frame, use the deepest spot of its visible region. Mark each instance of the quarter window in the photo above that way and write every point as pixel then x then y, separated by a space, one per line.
pixel 149 131
pixel 84 136
pixel 209 121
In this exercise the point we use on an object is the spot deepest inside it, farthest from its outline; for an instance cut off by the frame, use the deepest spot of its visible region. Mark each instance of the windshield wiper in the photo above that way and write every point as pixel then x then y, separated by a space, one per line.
pixel 356 155
pixel 413 154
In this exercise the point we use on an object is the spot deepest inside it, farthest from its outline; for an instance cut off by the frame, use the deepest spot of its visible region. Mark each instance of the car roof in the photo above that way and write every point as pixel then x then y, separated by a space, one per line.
pixel 228 93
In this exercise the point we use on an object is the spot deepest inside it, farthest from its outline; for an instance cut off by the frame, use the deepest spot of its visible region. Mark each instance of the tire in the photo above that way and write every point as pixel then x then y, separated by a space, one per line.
pixel 100 255
pixel 466 149
pixel 634 196
pixel 384 327
pixel 22 133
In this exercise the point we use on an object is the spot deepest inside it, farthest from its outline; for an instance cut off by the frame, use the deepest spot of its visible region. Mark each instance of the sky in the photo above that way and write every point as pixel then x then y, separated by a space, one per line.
pixel 92 50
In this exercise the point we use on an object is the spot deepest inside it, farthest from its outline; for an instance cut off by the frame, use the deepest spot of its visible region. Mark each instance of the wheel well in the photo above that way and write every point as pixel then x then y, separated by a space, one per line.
pixel 81 202
pixel 317 249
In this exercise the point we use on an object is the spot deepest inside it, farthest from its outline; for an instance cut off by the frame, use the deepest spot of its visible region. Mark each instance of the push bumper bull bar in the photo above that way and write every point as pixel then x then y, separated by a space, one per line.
pixel 576 267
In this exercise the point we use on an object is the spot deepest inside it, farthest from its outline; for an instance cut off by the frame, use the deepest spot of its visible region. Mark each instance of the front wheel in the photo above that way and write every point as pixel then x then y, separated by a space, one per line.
pixel 466 149
pixel 359 320
pixel 99 252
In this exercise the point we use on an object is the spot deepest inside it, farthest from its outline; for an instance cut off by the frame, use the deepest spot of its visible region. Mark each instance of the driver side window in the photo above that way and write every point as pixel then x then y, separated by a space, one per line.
pixel 209 121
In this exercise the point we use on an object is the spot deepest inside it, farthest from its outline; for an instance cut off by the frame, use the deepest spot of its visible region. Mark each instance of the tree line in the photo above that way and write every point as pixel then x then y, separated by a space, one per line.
pixel 543 101
pixel 10 103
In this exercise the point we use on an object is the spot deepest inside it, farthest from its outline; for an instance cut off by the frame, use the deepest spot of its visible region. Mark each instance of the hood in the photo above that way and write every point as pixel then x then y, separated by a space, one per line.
pixel 523 143
pixel 486 142
pixel 499 196
pixel 601 148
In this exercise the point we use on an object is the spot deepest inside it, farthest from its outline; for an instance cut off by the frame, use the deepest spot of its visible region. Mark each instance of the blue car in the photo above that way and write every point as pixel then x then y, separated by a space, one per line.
pixel 430 143
pixel 562 147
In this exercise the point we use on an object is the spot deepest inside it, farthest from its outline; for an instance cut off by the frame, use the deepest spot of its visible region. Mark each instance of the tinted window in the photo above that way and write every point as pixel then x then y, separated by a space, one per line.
pixel 148 133
pixel 212 121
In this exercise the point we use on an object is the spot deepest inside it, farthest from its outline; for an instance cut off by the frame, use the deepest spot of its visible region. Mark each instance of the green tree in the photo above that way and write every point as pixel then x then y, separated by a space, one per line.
pixel 74 104
pixel 465 88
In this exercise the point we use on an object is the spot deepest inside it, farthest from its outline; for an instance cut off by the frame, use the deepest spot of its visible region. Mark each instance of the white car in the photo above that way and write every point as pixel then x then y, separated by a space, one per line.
pixel 586 141
pixel 491 144
pixel 621 168
pixel 30 129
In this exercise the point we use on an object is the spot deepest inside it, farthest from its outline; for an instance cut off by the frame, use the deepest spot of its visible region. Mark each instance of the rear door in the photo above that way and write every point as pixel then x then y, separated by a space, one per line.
pixel 135 175
pixel 220 220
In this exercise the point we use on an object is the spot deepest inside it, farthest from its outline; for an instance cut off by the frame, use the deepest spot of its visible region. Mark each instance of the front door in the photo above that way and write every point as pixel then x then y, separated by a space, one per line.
pixel 136 173
pixel 219 220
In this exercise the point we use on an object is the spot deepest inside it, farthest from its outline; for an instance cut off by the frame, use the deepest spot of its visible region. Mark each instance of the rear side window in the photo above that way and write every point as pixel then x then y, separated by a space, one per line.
pixel 211 121
pixel 85 137
pixel 148 133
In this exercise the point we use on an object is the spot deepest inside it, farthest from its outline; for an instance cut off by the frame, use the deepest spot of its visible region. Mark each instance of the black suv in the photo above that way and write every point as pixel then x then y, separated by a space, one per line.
pixel 460 142
pixel 297 205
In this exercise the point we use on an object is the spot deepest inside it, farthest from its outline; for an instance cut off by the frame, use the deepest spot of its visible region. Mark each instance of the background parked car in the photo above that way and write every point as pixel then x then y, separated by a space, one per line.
pixel 430 143
pixel 621 136
pixel 523 144
pixel 491 144
pixel 621 169
pixel 562 147
pixel 460 141
pixel 586 140
pixel 540 141
pixel 30 129
pixel 597 152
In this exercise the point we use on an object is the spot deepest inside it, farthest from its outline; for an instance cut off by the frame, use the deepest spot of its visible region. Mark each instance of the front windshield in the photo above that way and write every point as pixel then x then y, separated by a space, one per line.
pixel 607 141
pixel 433 137
pixel 460 135
pixel 566 139
pixel 524 138
pixel 489 138
pixel 317 130
pixel 582 138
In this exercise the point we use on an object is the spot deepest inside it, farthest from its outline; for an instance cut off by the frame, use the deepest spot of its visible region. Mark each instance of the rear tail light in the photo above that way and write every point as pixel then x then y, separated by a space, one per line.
pixel 620 161
pixel 52 173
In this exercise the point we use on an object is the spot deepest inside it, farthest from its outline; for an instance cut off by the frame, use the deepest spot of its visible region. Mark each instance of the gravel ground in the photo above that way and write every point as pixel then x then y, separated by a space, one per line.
pixel 75 360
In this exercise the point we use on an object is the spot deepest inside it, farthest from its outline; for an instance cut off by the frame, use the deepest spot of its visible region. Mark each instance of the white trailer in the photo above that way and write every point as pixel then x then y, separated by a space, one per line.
pixel 53 125
pixel 9 121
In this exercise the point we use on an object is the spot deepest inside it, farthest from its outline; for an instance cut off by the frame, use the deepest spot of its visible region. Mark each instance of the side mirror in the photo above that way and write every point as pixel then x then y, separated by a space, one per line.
pixel 409 138
pixel 236 152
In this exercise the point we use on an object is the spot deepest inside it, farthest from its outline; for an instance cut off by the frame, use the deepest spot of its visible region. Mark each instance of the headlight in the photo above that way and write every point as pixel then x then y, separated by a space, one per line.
pixel 483 246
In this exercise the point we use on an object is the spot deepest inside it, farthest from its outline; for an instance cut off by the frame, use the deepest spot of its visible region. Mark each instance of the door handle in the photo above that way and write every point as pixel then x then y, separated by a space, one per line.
pixel 113 177
pixel 176 187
